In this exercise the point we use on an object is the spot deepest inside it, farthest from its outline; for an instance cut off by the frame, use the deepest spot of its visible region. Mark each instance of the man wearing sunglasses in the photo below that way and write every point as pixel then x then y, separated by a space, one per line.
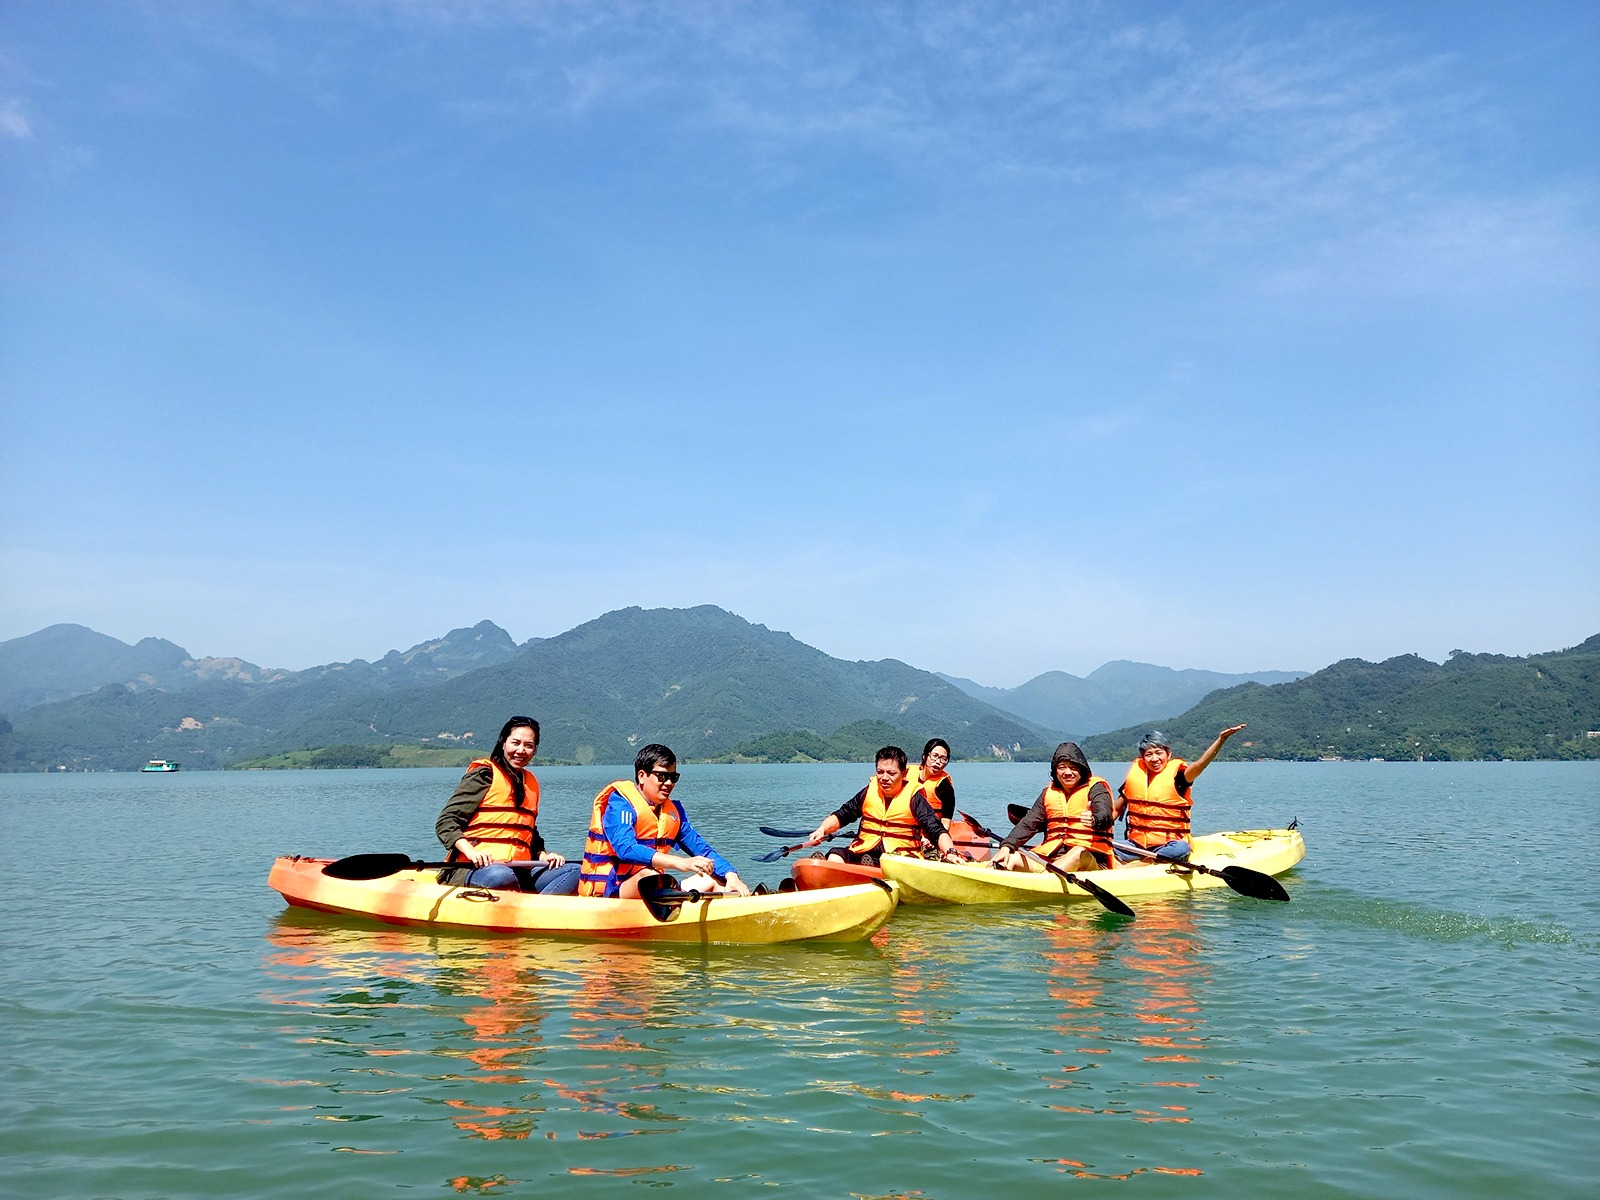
pixel 637 830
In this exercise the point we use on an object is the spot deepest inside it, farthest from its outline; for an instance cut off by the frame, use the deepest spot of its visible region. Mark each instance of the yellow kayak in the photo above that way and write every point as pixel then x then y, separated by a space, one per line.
pixel 415 897
pixel 1269 851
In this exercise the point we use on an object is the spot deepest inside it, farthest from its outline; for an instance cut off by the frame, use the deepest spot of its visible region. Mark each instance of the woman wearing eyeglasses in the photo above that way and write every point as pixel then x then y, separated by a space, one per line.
pixel 637 830
pixel 491 821
pixel 933 781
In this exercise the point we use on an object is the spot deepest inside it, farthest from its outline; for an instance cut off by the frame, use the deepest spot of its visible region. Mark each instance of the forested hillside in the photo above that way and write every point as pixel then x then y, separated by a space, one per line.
pixel 715 686
pixel 702 679
pixel 1472 706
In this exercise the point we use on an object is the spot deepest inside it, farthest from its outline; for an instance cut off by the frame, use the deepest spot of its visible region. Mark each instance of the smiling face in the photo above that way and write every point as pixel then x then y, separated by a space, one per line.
pixel 1155 757
pixel 656 784
pixel 521 745
pixel 891 777
pixel 1068 776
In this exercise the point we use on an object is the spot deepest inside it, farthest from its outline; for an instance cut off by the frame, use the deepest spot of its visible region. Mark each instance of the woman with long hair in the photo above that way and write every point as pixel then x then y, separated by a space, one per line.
pixel 491 820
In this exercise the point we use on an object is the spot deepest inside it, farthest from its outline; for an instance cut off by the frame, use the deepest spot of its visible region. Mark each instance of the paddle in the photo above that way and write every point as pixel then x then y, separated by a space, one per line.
pixel 786 833
pixel 1247 881
pixel 662 895
pixel 775 855
pixel 1258 885
pixel 376 866
pixel 1106 899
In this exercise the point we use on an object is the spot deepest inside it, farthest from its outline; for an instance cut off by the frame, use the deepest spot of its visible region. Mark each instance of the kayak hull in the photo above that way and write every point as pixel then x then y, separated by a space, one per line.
pixel 416 898
pixel 813 874
pixel 1270 851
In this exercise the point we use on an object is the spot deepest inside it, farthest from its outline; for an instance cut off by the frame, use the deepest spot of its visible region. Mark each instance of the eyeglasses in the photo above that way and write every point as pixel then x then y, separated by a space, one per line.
pixel 666 776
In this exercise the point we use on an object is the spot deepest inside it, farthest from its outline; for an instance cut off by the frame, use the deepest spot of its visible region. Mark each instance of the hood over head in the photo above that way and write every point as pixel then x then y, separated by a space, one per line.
pixel 1069 752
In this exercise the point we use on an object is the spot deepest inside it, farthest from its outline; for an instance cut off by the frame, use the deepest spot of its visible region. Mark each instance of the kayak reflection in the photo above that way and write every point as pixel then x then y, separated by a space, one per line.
pixel 1141 988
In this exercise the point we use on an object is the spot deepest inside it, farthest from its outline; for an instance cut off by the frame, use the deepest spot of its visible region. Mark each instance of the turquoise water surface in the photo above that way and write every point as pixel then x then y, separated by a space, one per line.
pixel 1421 1020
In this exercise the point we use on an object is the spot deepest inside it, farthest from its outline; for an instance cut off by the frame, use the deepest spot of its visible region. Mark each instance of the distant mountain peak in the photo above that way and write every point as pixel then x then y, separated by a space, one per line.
pixel 1119 692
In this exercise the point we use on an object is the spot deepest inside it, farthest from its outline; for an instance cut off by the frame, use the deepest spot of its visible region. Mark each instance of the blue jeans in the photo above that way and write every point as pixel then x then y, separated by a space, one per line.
pixel 1172 850
pixel 548 881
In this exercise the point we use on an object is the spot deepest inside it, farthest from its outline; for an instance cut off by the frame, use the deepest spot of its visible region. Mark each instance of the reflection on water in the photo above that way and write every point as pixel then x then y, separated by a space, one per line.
pixel 519 1038
pixel 1139 988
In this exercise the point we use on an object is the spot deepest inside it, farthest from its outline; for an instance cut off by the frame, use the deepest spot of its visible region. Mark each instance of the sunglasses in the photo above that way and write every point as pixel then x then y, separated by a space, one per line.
pixel 666 776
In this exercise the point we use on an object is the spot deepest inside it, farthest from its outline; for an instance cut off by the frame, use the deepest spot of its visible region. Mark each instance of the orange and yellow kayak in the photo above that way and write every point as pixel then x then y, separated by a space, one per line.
pixel 415 897
pixel 820 872
pixel 811 874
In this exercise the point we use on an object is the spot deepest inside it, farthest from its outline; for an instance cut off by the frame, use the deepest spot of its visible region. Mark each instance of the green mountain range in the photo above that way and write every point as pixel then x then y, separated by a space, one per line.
pixel 716 687
pixel 701 679
pixel 1472 706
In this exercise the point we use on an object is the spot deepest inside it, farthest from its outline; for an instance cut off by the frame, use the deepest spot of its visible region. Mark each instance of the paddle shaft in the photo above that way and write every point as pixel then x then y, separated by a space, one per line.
pixel 1247 881
pixel 377 866
pixel 800 833
pixel 1107 900
pixel 775 855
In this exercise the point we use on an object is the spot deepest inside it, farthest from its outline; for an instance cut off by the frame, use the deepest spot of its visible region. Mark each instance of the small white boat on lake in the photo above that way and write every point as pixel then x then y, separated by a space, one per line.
pixel 158 766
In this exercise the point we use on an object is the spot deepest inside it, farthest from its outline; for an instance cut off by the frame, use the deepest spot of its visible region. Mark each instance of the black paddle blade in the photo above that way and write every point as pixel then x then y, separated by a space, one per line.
pixel 1107 901
pixel 663 897
pixel 368 866
pixel 1016 812
pixel 774 856
pixel 980 829
pixel 1258 885
pixel 783 833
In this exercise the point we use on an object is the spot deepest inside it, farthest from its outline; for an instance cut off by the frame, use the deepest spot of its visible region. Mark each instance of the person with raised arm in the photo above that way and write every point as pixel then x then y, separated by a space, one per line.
pixel 1155 797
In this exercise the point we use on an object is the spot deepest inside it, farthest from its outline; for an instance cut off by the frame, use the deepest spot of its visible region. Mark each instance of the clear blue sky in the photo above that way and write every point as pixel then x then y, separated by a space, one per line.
pixel 997 338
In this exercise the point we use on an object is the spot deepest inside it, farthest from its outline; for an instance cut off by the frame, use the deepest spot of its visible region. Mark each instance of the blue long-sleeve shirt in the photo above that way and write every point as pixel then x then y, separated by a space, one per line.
pixel 618 824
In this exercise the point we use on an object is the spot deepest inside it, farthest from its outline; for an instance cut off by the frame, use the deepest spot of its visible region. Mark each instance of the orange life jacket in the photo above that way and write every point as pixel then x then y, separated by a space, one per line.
pixel 1157 812
pixel 602 872
pixel 888 825
pixel 928 786
pixel 499 828
pixel 1069 821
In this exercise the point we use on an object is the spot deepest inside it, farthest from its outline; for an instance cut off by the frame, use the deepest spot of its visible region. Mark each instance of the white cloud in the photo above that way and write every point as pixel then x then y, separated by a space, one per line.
pixel 14 122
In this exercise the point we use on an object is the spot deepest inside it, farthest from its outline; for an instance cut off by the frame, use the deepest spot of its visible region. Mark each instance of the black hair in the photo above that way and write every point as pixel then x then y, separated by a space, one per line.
pixel 498 755
pixel 652 756
pixel 892 753
pixel 932 745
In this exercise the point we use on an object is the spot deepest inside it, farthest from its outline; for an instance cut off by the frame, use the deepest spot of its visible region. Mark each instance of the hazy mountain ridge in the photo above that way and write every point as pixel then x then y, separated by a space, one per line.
pixel 1118 693
pixel 1470 707
pixel 713 685
pixel 63 661
pixel 702 679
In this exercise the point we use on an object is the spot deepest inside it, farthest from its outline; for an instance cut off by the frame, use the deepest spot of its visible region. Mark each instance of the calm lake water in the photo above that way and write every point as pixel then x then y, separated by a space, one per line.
pixel 1421 1020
